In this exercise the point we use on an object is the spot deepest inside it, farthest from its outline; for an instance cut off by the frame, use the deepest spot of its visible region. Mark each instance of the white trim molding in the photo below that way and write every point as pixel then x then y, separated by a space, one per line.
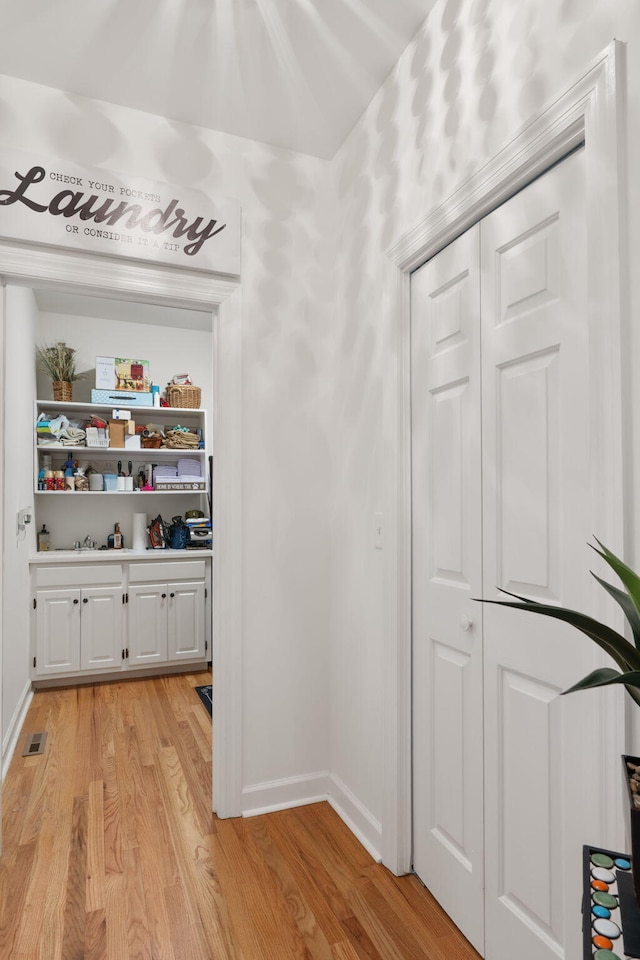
pixel 316 787
pixel 360 821
pixel 590 112
pixel 283 794
pixel 32 265
pixel 11 734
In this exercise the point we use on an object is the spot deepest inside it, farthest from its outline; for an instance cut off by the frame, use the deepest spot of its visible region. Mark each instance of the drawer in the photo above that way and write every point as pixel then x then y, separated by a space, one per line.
pixel 78 575
pixel 165 570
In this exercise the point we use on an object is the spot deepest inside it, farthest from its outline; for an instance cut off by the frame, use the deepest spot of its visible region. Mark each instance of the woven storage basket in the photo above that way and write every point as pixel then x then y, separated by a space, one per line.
pixel 150 443
pixel 183 396
pixel 62 391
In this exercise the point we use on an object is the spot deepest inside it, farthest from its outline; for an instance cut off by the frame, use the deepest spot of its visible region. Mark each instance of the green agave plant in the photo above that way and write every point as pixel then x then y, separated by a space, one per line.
pixel 625 654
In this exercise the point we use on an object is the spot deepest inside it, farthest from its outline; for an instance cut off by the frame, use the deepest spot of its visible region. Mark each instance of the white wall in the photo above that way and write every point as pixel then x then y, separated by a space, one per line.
pixel 19 393
pixel 474 74
pixel 313 446
pixel 285 434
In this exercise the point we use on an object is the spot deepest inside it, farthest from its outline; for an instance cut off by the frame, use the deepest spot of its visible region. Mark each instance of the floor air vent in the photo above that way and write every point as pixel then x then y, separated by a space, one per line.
pixel 34 744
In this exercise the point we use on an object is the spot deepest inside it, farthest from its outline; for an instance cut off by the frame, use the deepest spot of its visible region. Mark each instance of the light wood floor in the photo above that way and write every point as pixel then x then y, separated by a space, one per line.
pixel 111 851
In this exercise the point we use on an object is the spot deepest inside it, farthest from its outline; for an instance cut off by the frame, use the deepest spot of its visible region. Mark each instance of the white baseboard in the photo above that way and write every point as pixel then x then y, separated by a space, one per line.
pixel 10 738
pixel 360 821
pixel 275 795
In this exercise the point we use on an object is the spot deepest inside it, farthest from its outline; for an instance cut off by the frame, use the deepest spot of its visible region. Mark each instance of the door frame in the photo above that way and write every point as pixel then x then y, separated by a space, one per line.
pixel 591 112
pixel 27 264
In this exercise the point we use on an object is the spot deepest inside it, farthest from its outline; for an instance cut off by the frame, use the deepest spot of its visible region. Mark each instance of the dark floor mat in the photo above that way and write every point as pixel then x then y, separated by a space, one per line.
pixel 205 695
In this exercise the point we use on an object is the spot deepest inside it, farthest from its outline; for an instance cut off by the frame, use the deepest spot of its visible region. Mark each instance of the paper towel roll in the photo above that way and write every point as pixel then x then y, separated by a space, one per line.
pixel 140 535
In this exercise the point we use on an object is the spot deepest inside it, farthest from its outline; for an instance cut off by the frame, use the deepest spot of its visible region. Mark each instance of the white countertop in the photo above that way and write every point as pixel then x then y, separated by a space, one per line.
pixel 100 556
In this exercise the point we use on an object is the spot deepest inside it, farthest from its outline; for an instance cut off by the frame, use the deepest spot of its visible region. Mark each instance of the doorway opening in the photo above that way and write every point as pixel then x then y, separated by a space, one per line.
pixel 147 289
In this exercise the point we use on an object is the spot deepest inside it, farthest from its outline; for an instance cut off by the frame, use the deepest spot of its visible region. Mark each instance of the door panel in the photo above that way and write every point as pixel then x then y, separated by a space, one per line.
pixel 147 623
pixel 186 621
pixel 539 798
pixel 102 628
pixel 57 631
pixel 447 555
pixel 502 460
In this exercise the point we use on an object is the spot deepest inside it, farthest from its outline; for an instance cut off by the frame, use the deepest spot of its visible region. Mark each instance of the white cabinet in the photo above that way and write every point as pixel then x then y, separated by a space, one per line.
pixel 147 624
pixel 78 629
pixel 57 632
pixel 94 618
pixel 166 622
pixel 185 621
pixel 101 627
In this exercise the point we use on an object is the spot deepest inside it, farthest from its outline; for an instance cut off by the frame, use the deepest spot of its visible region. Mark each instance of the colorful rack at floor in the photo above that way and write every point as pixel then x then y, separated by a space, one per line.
pixel 610 915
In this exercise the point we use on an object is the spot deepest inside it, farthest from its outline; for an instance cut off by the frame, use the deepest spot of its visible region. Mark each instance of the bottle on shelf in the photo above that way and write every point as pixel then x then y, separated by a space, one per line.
pixel 117 537
pixel 43 539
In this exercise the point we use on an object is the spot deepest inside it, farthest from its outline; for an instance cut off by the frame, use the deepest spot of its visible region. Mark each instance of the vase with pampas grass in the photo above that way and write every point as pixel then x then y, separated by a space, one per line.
pixel 58 361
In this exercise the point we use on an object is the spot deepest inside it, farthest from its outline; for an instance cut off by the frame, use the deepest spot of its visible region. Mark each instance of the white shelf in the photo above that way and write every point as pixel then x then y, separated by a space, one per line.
pixel 165 416
pixel 133 453
pixel 119 493
pixel 75 406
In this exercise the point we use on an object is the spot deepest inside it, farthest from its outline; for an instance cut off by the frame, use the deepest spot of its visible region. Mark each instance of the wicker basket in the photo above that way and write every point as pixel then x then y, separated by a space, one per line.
pixel 62 391
pixel 150 443
pixel 183 396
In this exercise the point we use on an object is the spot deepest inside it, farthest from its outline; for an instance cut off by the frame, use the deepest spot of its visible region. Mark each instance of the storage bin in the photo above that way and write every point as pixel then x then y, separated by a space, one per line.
pixel 178 395
pixel 118 398
pixel 110 481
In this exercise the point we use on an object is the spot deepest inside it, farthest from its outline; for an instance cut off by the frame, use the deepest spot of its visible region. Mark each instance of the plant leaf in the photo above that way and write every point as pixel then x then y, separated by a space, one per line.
pixel 629 578
pixel 618 648
pixel 627 605
pixel 629 679
pixel 597 678
pixel 605 676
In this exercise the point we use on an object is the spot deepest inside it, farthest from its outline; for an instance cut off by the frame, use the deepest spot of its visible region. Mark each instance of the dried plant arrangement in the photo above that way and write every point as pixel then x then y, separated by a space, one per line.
pixel 58 362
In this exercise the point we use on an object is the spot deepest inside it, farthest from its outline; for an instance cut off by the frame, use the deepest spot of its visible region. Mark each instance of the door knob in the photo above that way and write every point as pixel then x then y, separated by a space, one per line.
pixel 465 623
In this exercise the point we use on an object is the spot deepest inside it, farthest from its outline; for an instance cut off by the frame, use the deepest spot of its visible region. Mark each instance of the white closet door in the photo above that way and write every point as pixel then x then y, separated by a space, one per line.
pixel 447 559
pixel 541 801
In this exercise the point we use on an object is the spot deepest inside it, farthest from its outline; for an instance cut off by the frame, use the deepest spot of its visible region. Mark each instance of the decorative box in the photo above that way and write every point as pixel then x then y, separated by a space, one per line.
pixel 113 397
pixel 123 375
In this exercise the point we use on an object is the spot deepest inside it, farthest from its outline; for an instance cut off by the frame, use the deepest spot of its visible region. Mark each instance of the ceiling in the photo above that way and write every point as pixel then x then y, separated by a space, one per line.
pixel 291 73
pixel 55 301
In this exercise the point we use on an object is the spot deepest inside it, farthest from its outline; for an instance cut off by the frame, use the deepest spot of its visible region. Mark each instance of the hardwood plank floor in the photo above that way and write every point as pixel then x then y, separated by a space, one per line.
pixel 111 851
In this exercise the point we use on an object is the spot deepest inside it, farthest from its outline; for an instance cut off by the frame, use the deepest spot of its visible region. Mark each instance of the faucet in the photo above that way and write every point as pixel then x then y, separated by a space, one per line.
pixel 88 543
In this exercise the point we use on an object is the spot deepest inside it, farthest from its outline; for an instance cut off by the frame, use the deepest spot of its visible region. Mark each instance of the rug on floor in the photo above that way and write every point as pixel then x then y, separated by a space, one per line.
pixel 205 695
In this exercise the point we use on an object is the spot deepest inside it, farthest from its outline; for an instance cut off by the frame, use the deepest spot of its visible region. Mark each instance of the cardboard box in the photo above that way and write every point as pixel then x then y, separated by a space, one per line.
pixel 112 397
pixel 116 433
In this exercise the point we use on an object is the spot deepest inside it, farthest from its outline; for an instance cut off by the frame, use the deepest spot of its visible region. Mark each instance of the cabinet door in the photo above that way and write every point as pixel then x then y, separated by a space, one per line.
pixel 186 621
pixel 148 623
pixel 102 635
pixel 57 631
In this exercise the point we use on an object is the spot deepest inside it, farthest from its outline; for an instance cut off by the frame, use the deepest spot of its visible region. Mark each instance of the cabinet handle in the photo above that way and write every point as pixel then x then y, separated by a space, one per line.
pixel 85 600
pixel 76 600
pixel 172 594
pixel 163 595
